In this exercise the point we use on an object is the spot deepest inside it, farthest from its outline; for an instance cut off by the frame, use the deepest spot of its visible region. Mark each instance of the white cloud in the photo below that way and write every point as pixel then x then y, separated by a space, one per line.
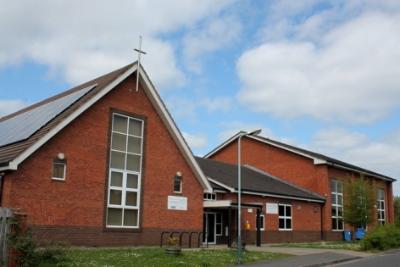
pixel 195 141
pixel 80 40
pixel 10 106
pixel 379 155
pixel 216 104
pixel 348 73
pixel 216 34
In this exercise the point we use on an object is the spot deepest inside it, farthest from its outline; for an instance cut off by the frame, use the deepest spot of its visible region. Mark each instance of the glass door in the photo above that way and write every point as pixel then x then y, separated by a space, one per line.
pixel 209 227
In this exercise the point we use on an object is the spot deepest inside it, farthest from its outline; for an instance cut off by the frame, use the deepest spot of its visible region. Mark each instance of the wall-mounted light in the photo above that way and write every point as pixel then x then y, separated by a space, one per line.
pixel 60 156
pixel 179 174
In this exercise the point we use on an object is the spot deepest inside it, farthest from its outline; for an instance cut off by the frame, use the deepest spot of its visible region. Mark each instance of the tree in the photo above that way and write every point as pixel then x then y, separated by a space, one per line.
pixel 359 203
pixel 397 210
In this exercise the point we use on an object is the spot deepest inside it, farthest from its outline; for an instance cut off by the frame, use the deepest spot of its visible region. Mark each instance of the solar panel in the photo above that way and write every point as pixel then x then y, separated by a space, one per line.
pixel 24 125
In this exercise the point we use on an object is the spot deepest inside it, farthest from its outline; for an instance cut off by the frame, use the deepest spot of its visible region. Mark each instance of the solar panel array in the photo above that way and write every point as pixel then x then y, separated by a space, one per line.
pixel 22 126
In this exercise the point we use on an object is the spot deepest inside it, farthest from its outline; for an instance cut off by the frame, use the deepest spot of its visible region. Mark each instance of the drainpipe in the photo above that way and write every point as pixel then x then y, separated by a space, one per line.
pixel 1 187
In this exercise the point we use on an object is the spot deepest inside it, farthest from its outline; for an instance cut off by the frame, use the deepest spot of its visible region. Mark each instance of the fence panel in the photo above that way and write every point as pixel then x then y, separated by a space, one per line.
pixel 5 218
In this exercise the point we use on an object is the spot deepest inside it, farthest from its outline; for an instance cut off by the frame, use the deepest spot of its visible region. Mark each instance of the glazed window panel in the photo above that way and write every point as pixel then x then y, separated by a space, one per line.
pixel 285 217
pixel 380 206
pixel 262 222
pixel 218 224
pixel 59 170
pixel 337 205
pixel 125 172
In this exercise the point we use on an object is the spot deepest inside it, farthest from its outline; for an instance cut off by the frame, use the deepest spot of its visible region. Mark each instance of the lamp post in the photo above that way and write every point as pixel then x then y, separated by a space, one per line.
pixel 239 193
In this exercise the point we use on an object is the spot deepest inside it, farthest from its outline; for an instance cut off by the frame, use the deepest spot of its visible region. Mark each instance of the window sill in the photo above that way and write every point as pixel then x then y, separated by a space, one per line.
pixel 285 230
pixel 122 229
pixel 57 179
pixel 338 230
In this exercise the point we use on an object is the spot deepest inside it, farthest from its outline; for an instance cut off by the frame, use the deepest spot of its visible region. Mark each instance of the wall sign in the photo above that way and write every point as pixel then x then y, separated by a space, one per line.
pixel 177 203
pixel 272 208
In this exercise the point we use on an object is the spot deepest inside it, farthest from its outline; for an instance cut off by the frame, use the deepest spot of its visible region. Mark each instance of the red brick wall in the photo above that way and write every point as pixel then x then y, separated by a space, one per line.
pixel 345 176
pixel 296 169
pixel 278 162
pixel 305 219
pixel 80 200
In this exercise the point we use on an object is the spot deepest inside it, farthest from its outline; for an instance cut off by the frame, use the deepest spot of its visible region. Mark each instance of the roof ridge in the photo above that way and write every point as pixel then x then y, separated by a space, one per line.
pixel 250 167
pixel 62 94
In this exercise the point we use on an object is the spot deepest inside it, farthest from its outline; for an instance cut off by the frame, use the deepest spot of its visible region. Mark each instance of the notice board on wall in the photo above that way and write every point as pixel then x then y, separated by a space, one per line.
pixel 177 203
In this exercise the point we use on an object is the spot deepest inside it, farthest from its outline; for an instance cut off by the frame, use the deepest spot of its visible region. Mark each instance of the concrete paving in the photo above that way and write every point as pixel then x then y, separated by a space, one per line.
pixel 304 257
pixel 306 251
pixel 387 259
pixel 310 260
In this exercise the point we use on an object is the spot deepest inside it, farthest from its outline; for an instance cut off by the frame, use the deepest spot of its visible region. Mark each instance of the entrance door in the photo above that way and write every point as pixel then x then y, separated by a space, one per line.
pixel 209 228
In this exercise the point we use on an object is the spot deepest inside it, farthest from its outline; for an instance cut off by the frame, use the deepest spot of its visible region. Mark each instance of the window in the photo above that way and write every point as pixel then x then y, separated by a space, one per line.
pixel 337 205
pixel 218 224
pixel 178 183
pixel 380 206
pixel 285 217
pixel 125 172
pixel 59 169
pixel 262 222
pixel 210 196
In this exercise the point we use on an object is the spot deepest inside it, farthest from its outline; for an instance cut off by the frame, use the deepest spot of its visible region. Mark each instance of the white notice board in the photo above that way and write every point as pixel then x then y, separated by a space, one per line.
pixel 272 208
pixel 177 203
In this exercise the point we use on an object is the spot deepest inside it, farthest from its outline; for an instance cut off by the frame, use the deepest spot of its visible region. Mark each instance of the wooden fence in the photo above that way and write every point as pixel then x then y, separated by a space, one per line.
pixel 5 219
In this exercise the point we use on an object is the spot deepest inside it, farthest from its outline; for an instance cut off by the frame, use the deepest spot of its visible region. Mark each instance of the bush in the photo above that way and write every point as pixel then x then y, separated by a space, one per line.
pixel 382 238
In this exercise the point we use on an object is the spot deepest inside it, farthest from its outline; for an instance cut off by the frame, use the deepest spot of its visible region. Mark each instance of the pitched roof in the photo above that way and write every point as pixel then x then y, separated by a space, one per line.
pixel 317 157
pixel 11 150
pixel 75 101
pixel 253 181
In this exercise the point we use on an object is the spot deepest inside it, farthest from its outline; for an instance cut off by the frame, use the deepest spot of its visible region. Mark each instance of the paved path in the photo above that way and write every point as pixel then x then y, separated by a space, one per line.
pixel 311 260
pixel 388 259
pixel 307 257
pixel 306 251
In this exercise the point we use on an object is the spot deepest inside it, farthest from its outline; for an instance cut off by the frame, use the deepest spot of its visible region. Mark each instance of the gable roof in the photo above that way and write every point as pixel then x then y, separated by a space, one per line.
pixel 254 181
pixel 18 149
pixel 316 157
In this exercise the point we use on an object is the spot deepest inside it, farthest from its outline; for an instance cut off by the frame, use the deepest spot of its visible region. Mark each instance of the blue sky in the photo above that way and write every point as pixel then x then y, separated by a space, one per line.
pixel 323 75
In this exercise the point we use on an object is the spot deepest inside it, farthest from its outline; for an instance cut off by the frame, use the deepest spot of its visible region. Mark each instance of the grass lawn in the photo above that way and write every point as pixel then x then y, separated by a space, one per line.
pixel 329 245
pixel 113 257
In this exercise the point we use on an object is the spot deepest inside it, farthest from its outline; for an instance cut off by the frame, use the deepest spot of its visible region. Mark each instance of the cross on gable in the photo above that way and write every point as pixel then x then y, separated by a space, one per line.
pixel 140 52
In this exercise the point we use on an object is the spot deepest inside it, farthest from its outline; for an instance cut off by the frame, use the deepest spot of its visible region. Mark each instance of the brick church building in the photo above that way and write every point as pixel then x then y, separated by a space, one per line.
pixel 104 164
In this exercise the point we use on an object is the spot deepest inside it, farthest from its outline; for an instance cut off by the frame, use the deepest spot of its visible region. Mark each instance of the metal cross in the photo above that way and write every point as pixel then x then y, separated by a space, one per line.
pixel 140 52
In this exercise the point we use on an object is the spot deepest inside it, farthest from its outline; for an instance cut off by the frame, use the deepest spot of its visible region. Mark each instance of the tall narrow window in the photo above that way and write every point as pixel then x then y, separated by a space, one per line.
pixel 178 183
pixel 218 224
pixel 337 205
pixel 285 217
pixel 59 169
pixel 380 206
pixel 262 222
pixel 125 172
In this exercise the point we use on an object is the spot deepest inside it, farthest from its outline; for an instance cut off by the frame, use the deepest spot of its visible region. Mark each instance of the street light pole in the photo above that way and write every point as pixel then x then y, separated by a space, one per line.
pixel 239 193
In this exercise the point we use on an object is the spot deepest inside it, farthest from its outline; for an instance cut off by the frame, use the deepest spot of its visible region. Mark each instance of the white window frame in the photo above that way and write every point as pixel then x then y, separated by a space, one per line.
pixel 125 173
pixel 380 202
pixel 262 226
pixel 65 170
pixel 180 184
pixel 285 217
pixel 218 214
pixel 337 195
pixel 210 196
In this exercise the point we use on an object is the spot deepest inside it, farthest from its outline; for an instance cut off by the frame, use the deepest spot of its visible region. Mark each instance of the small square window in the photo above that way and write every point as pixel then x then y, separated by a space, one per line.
pixel 59 169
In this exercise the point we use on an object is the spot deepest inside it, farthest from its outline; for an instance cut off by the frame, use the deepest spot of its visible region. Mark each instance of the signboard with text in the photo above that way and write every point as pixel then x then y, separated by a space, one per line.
pixel 177 203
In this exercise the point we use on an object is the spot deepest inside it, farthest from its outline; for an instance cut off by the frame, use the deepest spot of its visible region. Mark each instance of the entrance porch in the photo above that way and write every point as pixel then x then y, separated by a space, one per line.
pixel 220 223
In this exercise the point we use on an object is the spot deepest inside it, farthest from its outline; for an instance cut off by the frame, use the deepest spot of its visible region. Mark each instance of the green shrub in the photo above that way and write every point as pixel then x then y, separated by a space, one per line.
pixel 382 238
pixel 52 255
